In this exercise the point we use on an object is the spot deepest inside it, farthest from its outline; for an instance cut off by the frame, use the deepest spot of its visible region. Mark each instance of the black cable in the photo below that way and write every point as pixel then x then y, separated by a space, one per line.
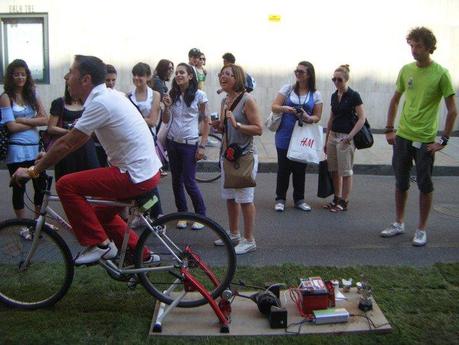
pixel 371 323
pixel 299 324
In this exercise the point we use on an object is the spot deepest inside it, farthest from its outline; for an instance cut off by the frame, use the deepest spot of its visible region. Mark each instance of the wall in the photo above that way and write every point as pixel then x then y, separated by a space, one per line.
pixel 367 35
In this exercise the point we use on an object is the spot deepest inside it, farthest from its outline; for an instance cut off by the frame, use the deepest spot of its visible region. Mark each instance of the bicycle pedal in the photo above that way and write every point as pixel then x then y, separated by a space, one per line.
pixel 132 283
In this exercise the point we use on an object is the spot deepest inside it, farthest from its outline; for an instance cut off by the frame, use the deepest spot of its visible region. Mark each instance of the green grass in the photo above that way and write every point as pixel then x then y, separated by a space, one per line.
pixel 422 305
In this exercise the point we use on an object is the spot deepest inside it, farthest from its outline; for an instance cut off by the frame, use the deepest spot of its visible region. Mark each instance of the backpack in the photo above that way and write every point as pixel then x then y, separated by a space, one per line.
pixel 4 138
pixel 4 134
pixel 249 83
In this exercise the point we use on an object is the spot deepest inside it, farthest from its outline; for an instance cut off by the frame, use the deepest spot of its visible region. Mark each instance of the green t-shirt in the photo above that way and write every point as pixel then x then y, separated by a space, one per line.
pixel 424 89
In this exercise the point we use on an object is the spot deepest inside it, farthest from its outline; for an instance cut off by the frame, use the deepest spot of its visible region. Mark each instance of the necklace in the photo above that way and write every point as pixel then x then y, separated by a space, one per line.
pixel 231 99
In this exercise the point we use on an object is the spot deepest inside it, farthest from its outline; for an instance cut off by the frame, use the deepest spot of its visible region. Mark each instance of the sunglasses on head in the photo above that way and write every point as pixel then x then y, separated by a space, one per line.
pixel 339 80
pixel 299 71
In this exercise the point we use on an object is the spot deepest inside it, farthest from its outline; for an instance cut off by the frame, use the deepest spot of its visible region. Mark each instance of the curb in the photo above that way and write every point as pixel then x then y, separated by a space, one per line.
pixel 359 169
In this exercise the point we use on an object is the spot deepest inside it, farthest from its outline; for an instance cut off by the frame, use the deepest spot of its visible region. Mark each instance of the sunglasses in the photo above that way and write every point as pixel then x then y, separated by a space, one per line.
pixel 339 80
pixel 204 59
pixel 226 74
pixel 299 71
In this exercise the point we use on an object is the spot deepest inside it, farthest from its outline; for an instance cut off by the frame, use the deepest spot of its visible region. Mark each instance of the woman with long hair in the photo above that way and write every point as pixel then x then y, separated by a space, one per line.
pixel 161 75
pixel 64 113
pixel 240 120
pixel 22 112
pixel 347 117
pixel 185 108
pixel 298 102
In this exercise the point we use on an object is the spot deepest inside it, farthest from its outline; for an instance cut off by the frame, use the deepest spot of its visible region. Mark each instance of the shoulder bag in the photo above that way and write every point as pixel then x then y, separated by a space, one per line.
pixel 237 167
pixel 273 121
pixel 364 138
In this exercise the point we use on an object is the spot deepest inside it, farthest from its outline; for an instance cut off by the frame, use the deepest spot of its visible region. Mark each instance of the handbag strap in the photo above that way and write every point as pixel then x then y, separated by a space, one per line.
pixel 231 108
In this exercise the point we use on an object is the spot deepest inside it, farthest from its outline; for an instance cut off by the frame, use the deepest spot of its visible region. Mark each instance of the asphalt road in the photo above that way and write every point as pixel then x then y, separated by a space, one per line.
pixel 321 238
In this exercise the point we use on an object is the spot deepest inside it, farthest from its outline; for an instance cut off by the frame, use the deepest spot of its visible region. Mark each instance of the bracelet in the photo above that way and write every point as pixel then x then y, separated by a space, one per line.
pixel 202 146
pixel 238 125
pixel 32 172
pixel 444 140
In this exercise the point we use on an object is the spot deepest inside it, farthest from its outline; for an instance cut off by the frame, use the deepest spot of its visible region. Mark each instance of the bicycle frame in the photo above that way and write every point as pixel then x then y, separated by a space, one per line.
pixel 106 264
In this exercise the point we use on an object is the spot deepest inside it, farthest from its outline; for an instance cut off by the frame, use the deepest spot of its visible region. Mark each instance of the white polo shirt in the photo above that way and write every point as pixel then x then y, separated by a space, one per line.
pixel 121 131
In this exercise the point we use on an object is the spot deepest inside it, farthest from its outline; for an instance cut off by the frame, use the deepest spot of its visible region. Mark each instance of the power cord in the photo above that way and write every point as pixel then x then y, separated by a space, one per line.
pixel 371 324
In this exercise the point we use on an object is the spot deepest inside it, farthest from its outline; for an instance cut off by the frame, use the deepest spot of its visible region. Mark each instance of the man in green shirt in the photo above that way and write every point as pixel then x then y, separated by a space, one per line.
pixel 424 83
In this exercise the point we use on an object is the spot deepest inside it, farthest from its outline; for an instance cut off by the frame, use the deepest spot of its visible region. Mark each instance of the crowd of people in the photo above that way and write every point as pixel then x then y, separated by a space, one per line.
pixel 99 134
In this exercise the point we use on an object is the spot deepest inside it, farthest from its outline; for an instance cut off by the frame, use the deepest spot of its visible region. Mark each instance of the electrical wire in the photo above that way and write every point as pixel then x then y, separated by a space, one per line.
pixel 371 324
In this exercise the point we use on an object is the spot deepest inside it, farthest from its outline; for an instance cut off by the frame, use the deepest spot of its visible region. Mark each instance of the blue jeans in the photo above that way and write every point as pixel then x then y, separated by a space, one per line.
pixel 182 163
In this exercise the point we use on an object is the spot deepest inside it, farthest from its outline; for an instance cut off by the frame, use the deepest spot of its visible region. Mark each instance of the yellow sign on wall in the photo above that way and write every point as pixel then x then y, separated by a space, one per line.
pixel 274 18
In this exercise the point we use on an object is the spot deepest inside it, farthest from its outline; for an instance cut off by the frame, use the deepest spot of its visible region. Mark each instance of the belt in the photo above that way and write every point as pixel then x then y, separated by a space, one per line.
pixel 184 141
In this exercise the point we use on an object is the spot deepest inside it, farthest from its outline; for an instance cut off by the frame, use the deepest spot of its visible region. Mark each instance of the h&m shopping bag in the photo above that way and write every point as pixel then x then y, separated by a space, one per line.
pixel 306 143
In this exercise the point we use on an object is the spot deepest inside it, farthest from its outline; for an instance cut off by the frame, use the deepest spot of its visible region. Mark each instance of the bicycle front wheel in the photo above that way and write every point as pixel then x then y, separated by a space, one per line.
pixel 208 169
pixel 47 276
pixel 186 251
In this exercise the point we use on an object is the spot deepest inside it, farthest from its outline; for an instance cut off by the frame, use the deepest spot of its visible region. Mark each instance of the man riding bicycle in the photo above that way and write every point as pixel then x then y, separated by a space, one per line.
pixel 134 165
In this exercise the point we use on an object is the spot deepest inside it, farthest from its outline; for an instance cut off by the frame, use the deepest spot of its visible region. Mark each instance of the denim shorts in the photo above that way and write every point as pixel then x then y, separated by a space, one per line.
pixel 402 162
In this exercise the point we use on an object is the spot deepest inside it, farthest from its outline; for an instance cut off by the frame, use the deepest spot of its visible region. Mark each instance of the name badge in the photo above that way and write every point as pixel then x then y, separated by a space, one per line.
pixel 416 144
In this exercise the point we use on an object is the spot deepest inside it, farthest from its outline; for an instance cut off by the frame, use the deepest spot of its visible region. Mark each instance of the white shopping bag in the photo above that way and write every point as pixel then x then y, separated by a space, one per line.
pixel 306 144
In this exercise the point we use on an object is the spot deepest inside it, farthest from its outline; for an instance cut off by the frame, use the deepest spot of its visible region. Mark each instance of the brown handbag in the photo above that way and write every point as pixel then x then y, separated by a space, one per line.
pixel 238 174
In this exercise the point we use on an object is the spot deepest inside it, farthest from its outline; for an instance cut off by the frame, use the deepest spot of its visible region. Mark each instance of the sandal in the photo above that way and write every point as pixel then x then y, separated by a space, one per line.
pixel 340 206
pixel 331 204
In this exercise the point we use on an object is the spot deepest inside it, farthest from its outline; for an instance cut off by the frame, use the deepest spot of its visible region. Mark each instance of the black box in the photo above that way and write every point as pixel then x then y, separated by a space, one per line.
pixel 278 317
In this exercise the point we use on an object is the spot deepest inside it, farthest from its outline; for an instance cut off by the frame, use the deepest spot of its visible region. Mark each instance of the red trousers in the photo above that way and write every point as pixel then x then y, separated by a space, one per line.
pixel 94 224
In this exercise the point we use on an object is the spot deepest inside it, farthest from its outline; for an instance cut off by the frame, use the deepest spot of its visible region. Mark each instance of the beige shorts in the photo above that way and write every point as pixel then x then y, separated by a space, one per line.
pixel 340 156
pixel 240 195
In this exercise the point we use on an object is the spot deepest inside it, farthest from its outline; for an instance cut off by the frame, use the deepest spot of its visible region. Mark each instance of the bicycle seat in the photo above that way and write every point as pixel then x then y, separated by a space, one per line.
pixel 146 201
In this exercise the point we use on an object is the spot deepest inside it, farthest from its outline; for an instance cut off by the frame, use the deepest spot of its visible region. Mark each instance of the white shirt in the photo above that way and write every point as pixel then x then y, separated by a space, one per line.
pixel 144 106
pixel 122 132
pixel 185 120
pixel 300 99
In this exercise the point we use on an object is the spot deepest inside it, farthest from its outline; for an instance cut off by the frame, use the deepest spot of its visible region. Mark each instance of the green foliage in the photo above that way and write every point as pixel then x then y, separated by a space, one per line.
pixel 421 304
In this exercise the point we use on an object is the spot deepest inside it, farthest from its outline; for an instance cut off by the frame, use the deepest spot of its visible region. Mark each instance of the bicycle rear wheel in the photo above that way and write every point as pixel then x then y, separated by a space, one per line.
pixel 47 277
pixel 185 249
pixel 208 169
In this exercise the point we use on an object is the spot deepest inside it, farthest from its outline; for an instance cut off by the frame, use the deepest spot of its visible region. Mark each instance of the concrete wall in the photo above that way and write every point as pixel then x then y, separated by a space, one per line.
pixel 367 35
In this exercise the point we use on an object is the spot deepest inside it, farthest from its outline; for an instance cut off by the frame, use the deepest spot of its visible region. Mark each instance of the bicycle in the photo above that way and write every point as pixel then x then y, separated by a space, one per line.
pixel 208 169
pixel 37 273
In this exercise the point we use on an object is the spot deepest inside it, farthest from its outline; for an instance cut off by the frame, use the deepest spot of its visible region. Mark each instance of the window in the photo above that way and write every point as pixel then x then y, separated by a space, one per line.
pixel 25 36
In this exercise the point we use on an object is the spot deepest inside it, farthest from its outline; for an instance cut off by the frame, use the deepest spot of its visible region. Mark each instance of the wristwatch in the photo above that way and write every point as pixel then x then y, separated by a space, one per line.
pixel 389 129
pixel 202 146
pixel 32 172
pixel 443 140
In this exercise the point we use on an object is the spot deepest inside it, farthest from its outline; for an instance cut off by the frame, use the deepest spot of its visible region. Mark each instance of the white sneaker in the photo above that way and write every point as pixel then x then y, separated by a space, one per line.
pixel 182 224
pixel 393 230
pixel 420 238
pixel 95 253
pixel 303 206
pixel 279 207
pixel 245 246
pixel 153 260
pixel 25 233
pixel 234 238
pixel 197 226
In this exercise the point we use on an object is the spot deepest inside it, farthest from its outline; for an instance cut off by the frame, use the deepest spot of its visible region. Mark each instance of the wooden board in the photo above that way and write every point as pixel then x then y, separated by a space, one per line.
pixel 246 320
